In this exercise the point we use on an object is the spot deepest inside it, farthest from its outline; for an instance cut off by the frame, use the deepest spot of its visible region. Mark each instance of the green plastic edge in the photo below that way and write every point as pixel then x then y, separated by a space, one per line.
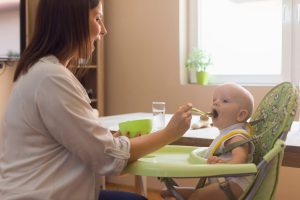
pixel 156 169
pixel 278 147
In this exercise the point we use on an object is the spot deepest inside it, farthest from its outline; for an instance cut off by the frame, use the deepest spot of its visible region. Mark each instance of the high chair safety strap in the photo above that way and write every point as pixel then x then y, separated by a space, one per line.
pixel 252 137
pixel 224 185
pixel 231 146
pixel 252 123
pixel 247 134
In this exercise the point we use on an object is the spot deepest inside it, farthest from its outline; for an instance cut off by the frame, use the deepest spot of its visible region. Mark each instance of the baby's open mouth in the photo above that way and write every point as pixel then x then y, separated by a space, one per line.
pixel 215 113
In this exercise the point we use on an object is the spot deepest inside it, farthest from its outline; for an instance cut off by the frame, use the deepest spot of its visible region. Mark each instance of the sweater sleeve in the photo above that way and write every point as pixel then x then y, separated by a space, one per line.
pixel 65 111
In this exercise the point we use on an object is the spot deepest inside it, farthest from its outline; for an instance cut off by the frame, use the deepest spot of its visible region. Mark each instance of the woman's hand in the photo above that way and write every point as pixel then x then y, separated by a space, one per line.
pixel 181 121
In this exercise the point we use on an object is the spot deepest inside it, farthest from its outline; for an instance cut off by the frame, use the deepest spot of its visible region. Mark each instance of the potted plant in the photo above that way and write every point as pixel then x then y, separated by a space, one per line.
pixel 198 61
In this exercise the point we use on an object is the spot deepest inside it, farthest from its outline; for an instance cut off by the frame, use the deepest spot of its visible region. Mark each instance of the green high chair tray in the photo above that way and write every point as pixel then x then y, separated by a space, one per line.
pixel 183 161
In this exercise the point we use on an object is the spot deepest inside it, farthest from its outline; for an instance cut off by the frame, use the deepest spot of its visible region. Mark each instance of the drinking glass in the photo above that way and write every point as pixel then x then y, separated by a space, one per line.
pixel 158 110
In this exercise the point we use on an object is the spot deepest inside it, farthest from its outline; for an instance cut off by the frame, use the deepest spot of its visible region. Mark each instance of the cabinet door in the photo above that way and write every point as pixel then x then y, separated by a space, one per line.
pixel 31 7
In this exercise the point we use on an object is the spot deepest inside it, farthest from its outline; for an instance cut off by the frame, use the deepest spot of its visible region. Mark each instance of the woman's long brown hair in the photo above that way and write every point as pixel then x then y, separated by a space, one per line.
pixel 61 28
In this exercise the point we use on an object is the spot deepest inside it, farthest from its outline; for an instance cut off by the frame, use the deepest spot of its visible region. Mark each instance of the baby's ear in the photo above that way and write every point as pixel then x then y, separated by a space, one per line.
pixel 242 115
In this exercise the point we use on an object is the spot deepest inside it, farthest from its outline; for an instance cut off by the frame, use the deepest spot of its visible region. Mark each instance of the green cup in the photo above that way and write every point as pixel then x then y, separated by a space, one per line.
pixel 135 127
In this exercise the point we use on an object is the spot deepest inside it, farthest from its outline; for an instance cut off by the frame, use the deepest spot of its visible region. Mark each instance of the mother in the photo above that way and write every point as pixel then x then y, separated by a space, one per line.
pixel 52 146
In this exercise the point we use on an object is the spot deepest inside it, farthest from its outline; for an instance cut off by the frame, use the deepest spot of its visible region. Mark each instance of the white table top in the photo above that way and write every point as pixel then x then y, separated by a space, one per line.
pixel 111 122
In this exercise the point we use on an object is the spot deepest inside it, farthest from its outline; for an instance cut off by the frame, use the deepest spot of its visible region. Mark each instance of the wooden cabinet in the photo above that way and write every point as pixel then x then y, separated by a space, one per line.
pixel 93 79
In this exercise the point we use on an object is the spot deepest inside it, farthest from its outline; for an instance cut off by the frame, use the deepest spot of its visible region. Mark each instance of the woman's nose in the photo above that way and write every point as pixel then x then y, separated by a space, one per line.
pixel 103 29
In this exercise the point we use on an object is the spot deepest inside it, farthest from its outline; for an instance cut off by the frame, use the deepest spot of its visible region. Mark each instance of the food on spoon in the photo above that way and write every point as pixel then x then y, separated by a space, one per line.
pixel 204 117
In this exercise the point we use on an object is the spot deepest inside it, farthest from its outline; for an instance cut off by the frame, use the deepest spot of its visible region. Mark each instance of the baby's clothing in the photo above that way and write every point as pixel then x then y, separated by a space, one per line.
pixel 243 181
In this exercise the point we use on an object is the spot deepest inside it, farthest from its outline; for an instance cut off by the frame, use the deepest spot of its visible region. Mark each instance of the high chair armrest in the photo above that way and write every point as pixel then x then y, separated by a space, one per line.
pixel 277 148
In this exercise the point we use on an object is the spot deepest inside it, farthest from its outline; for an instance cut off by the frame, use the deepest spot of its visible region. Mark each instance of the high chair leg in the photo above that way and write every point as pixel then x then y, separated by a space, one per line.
pixel 201 183
pixel 170 183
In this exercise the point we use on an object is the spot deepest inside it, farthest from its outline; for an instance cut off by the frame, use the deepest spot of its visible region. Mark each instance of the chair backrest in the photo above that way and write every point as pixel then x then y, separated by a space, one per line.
pixel 275 115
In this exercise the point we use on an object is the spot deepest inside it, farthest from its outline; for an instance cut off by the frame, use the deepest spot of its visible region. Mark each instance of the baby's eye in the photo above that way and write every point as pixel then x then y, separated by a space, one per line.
pixel 225 101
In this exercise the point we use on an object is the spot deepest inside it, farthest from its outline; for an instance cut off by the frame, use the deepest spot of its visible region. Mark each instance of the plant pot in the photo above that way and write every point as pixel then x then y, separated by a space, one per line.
pixel 202 78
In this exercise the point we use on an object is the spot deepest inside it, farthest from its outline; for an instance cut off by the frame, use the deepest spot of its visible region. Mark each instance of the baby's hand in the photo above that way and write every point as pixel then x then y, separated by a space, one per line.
pixel 214 160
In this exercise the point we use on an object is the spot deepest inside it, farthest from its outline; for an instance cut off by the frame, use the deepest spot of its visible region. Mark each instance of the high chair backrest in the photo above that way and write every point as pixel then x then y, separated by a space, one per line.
pixel 274 116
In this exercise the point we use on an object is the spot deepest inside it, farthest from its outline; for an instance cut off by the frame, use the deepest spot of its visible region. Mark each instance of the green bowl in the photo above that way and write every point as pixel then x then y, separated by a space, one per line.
pixel 135 127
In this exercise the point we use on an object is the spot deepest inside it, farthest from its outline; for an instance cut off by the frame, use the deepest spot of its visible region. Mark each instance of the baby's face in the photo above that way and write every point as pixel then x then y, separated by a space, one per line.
pixel 226 107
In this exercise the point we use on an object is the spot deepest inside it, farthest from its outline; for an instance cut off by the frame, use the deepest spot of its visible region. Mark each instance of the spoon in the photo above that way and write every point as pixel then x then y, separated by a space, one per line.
pixel 206 114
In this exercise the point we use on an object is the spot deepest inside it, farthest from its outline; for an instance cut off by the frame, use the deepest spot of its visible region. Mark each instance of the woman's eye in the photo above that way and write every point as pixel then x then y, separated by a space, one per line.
pixel 98 18
pixel 225 101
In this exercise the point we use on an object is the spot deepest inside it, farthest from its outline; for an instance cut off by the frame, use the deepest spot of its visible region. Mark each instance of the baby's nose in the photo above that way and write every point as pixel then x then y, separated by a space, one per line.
pixel 216 102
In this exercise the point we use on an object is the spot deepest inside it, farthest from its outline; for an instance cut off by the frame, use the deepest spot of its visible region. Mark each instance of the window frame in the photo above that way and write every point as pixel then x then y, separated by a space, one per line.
pixel 290 40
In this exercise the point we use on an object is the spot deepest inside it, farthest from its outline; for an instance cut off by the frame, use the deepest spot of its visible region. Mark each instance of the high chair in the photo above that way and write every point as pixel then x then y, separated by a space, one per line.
pixel 270 124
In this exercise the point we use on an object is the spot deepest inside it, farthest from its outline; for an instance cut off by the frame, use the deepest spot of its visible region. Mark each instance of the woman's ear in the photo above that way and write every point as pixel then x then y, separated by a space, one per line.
pixel 242 115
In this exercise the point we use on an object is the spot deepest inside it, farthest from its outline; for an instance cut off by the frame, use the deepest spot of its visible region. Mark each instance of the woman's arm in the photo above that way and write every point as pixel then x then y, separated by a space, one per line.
pixel 178 125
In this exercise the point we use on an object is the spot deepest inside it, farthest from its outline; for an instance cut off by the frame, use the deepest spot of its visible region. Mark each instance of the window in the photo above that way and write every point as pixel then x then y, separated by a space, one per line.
pixel 250 41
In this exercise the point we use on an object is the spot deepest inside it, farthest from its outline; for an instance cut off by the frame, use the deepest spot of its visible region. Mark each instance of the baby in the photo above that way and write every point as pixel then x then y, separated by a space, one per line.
pixel 232 107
